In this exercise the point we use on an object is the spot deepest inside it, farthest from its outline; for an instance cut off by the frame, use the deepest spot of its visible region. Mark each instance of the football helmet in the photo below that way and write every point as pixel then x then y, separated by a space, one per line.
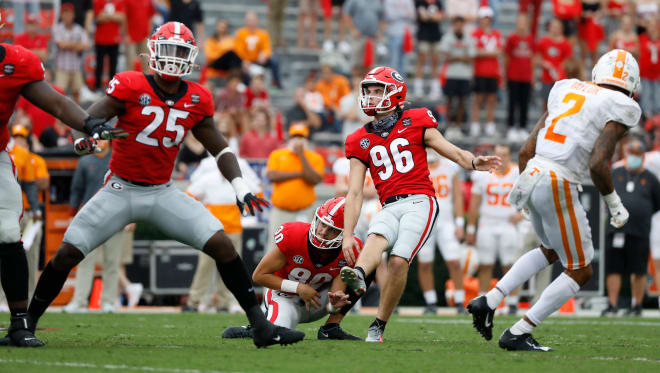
pixel 330 213
pixel 618 68
pixel 393 95
pixel 172 50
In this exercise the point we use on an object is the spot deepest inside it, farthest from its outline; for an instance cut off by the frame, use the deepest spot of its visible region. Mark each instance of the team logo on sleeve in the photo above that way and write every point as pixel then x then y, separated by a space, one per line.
pixel 194 98
pixel 364 143
pixel 144 99
pixel 298 259
pixel 9 69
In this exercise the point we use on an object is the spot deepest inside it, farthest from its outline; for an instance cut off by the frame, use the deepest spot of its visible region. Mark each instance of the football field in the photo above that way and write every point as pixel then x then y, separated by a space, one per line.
pixel 190 343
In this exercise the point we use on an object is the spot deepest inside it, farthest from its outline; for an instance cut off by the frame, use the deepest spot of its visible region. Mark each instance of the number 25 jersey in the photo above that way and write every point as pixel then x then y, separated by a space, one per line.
pixel 577 113
pixel 156 124
pixel 396 159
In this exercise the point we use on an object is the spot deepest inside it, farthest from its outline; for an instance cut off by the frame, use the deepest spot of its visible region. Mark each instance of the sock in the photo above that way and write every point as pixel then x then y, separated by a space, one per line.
pixel 49 285
pixel 522 327
pixel 237 280
pixel 361 270
pixel 553 297
pixel 633 302
pixel 379 323
pixel 431 297
pixel 522 270
pixel 459 297
pixel 512 300
pixel 14 272
pixel 494 298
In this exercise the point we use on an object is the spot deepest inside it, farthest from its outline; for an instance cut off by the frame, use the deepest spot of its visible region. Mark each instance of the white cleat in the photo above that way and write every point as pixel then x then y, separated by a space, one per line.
pixel 375 335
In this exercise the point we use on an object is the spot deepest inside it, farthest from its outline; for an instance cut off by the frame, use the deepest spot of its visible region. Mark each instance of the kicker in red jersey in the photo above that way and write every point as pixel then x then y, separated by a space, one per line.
pixel 292 240
pixel 396 159
pixel 19 67
pixel 156 124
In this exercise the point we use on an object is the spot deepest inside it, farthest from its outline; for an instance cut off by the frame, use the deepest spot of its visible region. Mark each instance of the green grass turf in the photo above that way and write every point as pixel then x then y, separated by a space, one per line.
pixel 191 343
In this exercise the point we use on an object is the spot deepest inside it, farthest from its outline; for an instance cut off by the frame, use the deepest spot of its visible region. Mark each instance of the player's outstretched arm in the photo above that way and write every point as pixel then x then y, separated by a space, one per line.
pixel 206 133
pixel 352 208
pixel 528 149
pixel 61 107
pixel 434 139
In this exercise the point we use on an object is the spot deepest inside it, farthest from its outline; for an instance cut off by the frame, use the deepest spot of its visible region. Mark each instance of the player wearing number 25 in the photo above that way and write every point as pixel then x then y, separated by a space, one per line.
pixel 392 148
pixel 573 140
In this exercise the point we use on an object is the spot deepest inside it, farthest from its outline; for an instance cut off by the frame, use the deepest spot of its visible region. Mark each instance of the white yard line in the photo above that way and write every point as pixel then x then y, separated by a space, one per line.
pixel 73 364
pixel 546 322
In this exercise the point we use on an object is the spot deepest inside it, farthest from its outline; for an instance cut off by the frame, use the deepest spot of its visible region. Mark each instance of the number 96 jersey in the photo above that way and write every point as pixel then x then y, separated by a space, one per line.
pixel 577 113
pixel 292 240
pixel 156 124
pixel 396 159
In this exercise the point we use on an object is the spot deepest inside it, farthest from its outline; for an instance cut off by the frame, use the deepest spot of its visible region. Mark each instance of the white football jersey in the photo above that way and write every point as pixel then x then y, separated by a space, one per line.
pixel 494 188
pixel 442 174
pixel 577 113
pixel 342 167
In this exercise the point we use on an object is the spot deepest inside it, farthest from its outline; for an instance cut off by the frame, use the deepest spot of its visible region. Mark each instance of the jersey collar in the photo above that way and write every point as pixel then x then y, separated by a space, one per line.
pixel 183 89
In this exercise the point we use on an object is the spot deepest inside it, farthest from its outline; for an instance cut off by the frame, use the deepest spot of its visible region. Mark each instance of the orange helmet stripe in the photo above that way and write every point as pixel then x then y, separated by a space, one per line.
pixel 618 67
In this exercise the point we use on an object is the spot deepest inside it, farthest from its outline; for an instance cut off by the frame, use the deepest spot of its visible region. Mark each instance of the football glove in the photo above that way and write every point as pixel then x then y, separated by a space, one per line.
pixel 619 213
pixel 98 129
pixel 85 145
pixel 252 201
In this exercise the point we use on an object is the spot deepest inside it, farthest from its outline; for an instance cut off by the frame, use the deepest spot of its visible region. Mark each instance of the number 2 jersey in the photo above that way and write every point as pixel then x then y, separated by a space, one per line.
pixel 156 124
pixel 396 159
pixel 292 240
pixel 577 113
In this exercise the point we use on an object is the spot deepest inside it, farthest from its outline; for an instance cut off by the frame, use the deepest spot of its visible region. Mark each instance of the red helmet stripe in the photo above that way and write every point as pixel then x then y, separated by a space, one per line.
pixel 177 28
pixel 337 207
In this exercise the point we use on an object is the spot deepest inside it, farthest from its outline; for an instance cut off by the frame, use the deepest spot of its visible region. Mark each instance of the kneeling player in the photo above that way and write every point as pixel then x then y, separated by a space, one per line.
pixel 302 275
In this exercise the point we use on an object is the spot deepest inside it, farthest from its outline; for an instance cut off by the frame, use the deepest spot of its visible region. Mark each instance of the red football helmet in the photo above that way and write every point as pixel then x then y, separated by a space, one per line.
pixel 331 213
pixel 394 90
pixel 172 50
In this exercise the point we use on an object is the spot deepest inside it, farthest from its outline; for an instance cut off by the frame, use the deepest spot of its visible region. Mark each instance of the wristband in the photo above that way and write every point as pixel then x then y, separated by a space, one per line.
pixel 459 221
pixel 222 152
pixel 240 187
pixel 289 286
pixel 470 229
pixel 612 199
pixel 473 167
pixel 332 309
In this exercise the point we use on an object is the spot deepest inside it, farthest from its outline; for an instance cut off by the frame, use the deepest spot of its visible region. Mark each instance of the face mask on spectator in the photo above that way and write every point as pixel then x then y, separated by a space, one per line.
pixel 634 161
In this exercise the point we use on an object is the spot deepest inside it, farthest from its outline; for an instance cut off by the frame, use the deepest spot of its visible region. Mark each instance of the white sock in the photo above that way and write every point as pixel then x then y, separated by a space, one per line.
pixel 512 300
pixel 522 327
pixel 522 270
pixel 431 297
pixel 459 296
pixel 633 302
pixel 494 297
pixel 553 297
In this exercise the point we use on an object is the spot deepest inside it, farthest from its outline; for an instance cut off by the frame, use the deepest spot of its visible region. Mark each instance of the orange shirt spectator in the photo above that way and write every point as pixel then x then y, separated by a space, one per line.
pixel 333 87
pixel 41 177
pixel 219 46
pixel 253 45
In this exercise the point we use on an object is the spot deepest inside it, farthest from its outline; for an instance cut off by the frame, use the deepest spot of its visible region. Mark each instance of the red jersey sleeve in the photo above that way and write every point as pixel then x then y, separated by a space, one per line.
pixel 280 237
pixel 354 149
pixel 35 69
pixel 206 101
pixel 124 85
pixel 421 117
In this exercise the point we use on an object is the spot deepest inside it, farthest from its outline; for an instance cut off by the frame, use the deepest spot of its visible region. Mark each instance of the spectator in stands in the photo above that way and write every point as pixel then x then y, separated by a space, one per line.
pixel 519 51
pixel 466 9
pixel 458 50
pixel 220 52
pixel 551 52
pixel 332 88
pixel 138 18
pixel 365 19
pixel 614 11
pixel 568 12
pixel 70 41
pixel 253 46
pixel 57 135
pixel 649 69
pixel 83 13
pixel 189 12
pixel 625 37
pixel 350 112
pixel 31 39
pixel 293 170
pixel 590 30
pixel 627 248
pixel 644 11
pixel 259 140
pixel 276 21
pixel 300 111
pixel 328 44
pixel 488 44
pixel 231 99
pixel 307 18
pixel 400 18
pixel 256 94
pixel 110 24
pixel 429 15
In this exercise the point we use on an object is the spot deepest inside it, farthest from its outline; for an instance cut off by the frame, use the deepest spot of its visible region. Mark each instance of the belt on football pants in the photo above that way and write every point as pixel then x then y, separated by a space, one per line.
pixel 138 183
pixel 395 198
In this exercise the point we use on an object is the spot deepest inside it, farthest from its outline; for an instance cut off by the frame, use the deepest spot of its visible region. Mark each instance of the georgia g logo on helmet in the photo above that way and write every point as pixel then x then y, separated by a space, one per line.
pixel 172 51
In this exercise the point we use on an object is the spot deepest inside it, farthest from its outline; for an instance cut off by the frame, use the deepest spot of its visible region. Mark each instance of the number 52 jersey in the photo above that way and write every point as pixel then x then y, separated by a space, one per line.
pixel 156 124
pixel 577 113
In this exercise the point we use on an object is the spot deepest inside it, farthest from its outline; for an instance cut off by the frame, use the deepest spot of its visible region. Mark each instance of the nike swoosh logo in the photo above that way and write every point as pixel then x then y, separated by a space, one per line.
pixel 400 131
pixel 277 339
pixel 188 105
pixel 324 334
pixel 489 323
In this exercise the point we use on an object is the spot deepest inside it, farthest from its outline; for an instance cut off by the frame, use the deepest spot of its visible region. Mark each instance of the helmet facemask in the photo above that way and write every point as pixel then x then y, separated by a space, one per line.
pixel 172 58
pixel 335 233
pixel 384 104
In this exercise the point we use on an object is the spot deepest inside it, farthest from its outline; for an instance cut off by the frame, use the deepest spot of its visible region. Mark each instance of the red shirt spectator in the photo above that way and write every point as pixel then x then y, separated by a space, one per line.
pixel 108 32
pixel 260 141
pixel 553 53
pixel 519 50
pixel 255 97
pixel 567 9
pixel 138 19
pixel 36 41
pixel 488 40
pixel 649 61
pixel 39 118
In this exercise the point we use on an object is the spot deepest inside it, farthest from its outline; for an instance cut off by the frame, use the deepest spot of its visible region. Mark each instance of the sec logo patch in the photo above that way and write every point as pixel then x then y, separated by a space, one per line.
pixel 298 259
pixel 364 143
pixel 144 99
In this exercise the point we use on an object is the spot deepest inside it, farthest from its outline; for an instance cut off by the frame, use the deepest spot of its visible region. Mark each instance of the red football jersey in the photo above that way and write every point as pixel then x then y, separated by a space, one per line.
pixel 292 240
pixel 396 160
pixel 18 67
pixel 156 125
pixel 491 41
pixel 555 52
pixel 649 61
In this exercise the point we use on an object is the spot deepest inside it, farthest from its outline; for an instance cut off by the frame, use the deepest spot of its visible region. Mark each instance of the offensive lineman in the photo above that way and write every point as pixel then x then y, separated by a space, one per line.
pixel 574 138
pixel 392 147
pixel 157 111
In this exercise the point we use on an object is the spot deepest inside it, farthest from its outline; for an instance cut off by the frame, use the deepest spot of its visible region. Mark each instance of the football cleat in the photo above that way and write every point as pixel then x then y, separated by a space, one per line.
pixel 353 279
pixel 460 310
pixel 334 331
pixel 635 311
pixel 523 342
pixel 431 309
pixel 610 311
pixel 21 333
pixel 273 335
pixel 238 332
pixel 482 316
pixel 375 334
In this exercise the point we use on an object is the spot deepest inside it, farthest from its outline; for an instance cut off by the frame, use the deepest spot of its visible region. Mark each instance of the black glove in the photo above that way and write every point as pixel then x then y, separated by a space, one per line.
pixel 98 129
pixel 252 201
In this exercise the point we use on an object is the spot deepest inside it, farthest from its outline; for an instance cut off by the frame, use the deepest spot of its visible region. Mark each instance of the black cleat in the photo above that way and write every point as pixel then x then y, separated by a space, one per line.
pixel 523 342
pixel 335 332
pixel 21 333
pixel 482 316
pixel 238 332
pixel 272 335
pixel 634 311
pixel 431 309
pixel 460 310
pixel 610 311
